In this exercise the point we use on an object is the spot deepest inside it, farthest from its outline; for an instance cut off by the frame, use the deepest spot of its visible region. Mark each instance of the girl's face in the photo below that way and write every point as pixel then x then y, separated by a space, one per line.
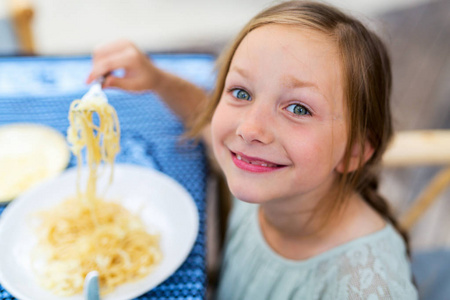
pixel 279 130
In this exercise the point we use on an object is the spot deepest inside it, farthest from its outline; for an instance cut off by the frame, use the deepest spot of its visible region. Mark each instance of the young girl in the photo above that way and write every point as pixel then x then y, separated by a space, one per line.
pixel 298 122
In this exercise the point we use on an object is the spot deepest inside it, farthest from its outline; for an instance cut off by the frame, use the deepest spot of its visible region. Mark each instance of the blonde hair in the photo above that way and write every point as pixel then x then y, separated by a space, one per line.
pixel 367 88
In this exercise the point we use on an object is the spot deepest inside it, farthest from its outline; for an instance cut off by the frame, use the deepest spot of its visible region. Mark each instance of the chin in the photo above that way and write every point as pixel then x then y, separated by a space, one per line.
pixel 244 194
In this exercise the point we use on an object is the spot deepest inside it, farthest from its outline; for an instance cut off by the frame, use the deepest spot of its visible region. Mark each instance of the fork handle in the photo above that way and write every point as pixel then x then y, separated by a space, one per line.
pixel 91 288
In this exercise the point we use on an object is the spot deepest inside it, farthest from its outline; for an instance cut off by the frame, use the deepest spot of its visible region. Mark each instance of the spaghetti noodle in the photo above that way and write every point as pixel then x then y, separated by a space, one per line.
pixel 86 233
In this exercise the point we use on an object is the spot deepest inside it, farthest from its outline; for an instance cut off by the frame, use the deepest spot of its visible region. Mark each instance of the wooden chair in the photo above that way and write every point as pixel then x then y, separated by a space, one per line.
pixel 22 12
pixel 419 148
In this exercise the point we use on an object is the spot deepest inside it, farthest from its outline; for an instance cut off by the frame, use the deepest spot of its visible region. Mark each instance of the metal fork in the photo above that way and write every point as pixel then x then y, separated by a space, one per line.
pixel 96 91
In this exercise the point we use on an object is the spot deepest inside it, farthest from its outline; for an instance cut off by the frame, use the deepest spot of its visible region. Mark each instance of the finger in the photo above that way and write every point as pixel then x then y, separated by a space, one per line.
pixel 91 77
pixel 109 81
pixel 109 64
pixel 110 56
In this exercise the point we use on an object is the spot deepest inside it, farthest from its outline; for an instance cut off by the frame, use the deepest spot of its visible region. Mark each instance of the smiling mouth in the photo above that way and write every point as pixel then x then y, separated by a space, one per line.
pixel 254 164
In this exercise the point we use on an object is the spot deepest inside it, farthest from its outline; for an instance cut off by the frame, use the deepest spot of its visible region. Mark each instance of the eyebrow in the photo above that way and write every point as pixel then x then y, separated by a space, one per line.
pixel 240 71
pixel 289 81
pixel 293 82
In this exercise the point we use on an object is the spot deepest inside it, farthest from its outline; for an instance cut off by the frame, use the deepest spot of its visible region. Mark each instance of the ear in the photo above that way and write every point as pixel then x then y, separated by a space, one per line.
pixel 353 163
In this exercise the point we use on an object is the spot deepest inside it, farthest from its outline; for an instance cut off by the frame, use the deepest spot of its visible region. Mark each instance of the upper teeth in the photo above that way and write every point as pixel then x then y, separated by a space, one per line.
pixel 251 162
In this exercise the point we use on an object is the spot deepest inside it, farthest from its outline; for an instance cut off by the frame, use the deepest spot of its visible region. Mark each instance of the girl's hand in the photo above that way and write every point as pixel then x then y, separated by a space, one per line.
pixel 140 73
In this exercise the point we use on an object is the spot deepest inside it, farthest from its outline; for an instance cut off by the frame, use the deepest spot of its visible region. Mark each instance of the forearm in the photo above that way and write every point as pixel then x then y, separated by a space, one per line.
pixel 185 99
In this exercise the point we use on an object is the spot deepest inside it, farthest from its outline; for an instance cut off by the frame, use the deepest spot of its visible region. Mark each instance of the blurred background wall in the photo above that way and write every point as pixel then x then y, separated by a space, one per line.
pixel 65 27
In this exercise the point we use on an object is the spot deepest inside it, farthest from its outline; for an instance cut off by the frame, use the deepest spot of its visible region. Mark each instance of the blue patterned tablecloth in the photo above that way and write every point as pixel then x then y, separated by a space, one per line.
pixel 40 90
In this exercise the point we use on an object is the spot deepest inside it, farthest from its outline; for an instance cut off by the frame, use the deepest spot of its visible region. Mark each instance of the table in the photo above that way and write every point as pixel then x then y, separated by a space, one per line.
pixel 40 90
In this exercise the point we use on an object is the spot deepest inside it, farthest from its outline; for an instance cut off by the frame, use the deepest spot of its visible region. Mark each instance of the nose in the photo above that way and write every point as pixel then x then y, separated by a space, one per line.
pixel 256 125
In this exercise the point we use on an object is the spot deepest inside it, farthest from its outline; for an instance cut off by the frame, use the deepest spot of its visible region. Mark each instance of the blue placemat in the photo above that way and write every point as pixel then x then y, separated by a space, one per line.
pixel 40 90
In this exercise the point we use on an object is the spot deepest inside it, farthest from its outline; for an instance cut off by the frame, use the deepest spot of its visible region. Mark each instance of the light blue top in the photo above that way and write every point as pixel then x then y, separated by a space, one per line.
pixel 371 267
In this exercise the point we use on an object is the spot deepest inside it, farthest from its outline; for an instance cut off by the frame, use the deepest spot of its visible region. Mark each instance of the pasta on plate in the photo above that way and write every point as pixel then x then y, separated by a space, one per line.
pixel 85 232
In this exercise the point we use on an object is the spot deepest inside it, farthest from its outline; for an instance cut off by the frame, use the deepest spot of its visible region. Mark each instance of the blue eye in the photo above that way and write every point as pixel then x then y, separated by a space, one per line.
pixel 298 110
pixel 241 94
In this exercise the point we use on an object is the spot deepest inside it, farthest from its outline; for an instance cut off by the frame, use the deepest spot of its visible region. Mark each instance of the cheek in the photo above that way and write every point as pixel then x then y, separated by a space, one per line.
pixel 219 126
pixel 321 146
pixel 339 138
pixel 216 121
pixel 308 151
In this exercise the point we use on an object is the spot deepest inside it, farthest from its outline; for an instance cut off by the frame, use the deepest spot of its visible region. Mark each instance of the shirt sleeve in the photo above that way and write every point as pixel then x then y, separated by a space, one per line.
pixel 367 273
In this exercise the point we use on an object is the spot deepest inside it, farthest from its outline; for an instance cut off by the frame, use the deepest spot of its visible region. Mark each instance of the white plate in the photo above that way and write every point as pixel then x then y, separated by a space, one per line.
pixel 29 154
pixel 163 204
